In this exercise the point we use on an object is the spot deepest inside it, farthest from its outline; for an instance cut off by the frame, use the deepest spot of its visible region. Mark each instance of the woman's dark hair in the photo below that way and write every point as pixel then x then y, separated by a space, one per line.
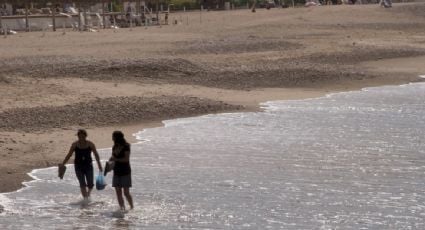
pixel 82 131
pixel 118 137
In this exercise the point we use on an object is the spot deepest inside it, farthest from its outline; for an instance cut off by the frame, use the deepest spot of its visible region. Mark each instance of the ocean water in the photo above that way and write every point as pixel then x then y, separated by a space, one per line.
pixel 353 160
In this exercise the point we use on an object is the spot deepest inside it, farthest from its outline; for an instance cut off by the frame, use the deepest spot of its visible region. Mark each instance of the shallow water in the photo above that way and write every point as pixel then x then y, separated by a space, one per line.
pixel 352 160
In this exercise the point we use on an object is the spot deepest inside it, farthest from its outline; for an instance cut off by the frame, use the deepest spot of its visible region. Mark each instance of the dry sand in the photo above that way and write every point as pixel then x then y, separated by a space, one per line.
pixel 53 84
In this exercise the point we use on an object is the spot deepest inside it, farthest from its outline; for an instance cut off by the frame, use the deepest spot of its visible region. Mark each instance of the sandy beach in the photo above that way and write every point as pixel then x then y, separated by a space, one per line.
pixel 53 83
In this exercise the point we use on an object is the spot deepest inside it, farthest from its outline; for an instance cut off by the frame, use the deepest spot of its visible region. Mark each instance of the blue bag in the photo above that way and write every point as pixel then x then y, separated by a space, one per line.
pixel 100 181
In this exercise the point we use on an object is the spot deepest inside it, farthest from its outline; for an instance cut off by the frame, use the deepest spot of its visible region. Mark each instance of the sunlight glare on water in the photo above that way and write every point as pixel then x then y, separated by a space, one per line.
pixel 351 160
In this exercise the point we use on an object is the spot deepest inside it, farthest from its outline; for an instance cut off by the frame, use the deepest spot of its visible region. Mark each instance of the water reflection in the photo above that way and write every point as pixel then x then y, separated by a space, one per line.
pixel 350 161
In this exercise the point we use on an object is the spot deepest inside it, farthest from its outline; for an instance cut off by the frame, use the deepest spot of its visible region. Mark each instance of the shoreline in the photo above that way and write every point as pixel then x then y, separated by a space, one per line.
pixel 160 124
pixel 52 84
pixel 133 129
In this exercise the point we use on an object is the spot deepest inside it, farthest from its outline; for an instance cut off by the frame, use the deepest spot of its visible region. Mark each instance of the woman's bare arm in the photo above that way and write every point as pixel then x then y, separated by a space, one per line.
pixel 69 155
pixel 126 157
pixel 96 156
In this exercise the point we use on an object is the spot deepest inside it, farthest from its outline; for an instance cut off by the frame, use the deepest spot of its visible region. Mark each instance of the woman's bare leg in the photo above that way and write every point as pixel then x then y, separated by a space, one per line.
pixel 89 192
pixel 129 198
pixel 118 191
pixel 84 192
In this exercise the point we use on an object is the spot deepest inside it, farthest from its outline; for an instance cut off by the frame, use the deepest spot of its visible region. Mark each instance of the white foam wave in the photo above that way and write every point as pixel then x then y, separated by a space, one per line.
pixel 274 105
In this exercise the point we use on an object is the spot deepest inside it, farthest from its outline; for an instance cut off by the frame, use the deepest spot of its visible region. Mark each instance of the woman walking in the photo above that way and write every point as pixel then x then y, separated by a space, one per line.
pixel 122 170
pixel 83 163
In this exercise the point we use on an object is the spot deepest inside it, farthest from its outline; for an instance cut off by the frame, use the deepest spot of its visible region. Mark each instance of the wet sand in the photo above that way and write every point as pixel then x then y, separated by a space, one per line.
pixel 53 84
